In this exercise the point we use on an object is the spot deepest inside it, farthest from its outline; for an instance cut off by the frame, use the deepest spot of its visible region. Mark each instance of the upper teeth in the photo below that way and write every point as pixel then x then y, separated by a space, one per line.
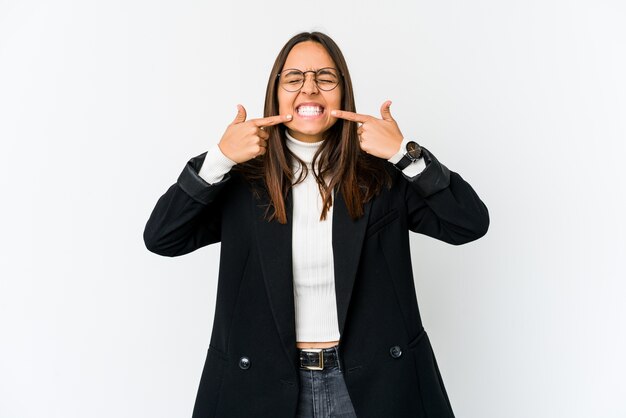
pixel 310 110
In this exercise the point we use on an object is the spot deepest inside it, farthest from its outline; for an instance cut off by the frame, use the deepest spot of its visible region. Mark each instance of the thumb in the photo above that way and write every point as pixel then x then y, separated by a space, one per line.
pixel 241 115
pixel 385 111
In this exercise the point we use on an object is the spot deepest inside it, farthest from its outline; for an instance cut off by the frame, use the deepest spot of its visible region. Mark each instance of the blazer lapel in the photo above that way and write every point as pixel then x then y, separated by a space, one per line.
pixel 348 238
pixel 274 244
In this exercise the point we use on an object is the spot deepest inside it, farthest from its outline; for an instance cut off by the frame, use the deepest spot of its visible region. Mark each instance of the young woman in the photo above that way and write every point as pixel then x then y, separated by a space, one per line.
pixel 316 312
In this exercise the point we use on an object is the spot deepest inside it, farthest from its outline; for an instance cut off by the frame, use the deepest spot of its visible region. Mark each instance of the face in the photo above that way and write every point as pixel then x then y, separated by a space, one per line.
pixel 310 106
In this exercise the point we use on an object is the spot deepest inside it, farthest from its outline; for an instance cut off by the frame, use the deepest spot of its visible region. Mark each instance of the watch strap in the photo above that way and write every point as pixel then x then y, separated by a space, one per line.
pixel 404 162
pixel 404 158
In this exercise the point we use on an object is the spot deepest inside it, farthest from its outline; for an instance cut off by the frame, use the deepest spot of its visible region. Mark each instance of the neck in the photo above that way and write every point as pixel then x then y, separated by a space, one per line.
pixel 302 149
pixel 304 137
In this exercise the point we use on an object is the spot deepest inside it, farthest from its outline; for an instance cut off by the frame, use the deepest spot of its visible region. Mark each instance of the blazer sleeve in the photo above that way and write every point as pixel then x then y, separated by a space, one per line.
pixel 188 215
pixel 442 205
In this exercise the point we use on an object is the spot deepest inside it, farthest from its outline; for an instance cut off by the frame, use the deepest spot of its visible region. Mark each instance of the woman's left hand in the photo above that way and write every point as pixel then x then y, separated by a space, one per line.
pixel 378 137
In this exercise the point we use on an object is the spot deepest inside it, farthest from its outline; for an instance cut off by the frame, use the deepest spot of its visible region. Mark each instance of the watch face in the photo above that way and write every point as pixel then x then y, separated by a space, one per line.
pixel 413 149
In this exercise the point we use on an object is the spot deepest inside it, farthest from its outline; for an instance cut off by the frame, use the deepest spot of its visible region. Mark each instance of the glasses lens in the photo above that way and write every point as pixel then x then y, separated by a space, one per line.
pixel 327 78
pixel 291 80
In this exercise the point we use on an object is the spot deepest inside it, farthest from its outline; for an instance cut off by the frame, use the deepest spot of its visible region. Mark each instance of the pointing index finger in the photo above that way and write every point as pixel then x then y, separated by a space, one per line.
pixel 355 117
pixel 271 120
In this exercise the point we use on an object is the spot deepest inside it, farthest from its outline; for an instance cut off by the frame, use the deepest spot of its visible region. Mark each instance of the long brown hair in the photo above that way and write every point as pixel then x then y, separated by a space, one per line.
pixel 340 160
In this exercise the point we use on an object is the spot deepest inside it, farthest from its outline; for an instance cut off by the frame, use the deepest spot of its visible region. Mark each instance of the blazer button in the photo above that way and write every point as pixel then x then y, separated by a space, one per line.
pixel 395 351
pixel 244 363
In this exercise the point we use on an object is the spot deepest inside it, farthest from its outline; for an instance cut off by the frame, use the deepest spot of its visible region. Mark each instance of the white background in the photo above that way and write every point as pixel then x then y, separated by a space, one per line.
pixel 103 102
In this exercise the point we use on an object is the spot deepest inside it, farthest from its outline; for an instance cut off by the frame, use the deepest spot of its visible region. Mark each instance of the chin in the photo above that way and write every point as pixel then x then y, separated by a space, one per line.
pixel 306 130
pixel 309 130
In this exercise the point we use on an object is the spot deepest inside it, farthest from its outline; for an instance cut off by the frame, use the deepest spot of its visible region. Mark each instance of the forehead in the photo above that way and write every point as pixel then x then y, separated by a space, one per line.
pixel 308 55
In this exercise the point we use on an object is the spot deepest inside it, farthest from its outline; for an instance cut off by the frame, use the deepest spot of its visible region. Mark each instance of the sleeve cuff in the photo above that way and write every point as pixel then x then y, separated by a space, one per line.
pixel 433 179
pixel 195 186
pixel 216 165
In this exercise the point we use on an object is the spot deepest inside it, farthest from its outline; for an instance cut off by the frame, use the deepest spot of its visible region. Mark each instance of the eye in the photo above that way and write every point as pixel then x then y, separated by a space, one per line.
pixel 292 77
pixel 327 74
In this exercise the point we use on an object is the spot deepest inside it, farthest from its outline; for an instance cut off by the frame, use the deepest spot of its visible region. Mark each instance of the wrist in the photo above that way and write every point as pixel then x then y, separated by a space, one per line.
pixel 409 152
pixel 222 158
pixel 224 153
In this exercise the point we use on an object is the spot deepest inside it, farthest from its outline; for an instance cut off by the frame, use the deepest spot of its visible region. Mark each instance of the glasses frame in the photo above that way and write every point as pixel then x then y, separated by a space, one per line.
pixel 314 78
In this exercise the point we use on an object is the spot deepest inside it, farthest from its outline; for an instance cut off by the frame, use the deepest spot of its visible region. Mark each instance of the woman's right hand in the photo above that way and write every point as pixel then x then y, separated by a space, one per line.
pixel 243 140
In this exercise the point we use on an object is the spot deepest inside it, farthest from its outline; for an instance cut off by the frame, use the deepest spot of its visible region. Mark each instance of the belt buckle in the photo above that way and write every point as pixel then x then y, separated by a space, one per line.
pixel 321 358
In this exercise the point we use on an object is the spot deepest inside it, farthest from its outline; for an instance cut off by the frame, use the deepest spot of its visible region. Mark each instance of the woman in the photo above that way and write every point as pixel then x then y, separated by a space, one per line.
pixel 316 312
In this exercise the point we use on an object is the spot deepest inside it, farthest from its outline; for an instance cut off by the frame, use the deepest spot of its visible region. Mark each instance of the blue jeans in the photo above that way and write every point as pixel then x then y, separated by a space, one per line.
pixel 323 394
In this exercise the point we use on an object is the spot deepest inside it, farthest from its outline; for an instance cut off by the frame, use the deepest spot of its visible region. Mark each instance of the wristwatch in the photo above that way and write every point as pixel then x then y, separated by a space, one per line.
pixel 412 154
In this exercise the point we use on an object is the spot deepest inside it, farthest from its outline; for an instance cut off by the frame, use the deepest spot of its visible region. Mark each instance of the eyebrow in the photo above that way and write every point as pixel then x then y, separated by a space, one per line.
pixel 291 70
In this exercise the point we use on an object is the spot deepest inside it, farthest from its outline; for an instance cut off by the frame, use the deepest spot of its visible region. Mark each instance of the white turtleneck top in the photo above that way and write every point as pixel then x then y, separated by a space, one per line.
pixel 312 252
pixel 313 267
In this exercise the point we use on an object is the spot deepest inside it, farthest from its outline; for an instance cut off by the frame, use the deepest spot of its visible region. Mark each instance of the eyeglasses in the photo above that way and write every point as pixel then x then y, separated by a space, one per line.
pixel 292 79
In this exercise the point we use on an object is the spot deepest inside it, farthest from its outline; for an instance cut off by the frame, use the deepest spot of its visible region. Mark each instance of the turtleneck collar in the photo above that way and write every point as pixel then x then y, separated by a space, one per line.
pixel 303 150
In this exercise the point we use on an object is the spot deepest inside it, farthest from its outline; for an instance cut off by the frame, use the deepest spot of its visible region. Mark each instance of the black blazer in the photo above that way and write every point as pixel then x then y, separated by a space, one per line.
pixel 389 366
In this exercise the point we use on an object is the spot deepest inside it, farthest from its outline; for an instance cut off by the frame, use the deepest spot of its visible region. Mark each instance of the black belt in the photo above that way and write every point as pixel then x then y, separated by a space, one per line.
pixel 318 358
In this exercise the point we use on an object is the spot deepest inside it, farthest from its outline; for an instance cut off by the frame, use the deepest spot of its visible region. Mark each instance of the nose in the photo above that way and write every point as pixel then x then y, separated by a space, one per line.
pixel 309 86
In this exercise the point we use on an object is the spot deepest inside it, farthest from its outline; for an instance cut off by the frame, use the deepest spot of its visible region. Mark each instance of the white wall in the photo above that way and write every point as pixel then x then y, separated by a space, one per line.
pixel 103 102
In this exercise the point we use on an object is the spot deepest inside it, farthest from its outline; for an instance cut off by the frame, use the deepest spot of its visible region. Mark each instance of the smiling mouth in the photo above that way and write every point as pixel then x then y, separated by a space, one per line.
pixel 309 111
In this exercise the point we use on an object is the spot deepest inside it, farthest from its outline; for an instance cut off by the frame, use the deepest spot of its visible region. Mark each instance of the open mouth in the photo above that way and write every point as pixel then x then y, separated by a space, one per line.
pixel 310 111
